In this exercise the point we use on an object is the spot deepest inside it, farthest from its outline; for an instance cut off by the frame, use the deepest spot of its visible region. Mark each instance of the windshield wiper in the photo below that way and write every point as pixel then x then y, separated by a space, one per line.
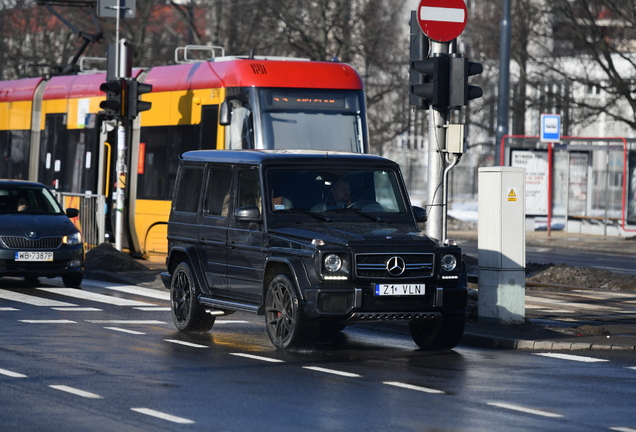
pixel 310 213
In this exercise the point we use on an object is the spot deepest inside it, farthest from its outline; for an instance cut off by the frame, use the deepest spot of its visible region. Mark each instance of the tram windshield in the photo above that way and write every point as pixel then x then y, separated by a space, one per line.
pixel 300 119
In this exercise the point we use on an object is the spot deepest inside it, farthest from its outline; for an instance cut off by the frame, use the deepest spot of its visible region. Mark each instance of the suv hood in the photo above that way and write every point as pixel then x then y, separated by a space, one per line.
pixel 42 225
pixel 358 234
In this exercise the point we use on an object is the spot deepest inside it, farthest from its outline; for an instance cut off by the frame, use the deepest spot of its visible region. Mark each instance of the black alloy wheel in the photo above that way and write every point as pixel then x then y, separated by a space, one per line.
pixel 287 325
pixel 187 314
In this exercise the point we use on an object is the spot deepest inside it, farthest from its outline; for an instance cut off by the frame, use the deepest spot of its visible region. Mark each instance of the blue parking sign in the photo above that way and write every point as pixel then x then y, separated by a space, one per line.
pixel 550 128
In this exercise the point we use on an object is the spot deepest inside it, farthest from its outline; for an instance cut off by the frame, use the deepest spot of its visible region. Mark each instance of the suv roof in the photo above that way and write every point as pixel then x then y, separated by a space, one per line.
pixel 275 156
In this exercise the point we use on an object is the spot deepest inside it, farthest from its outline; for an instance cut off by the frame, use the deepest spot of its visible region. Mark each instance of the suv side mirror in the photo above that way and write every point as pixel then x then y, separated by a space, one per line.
pixel 420 214
pixel 72 212
pixel 225 116
pixel 247 213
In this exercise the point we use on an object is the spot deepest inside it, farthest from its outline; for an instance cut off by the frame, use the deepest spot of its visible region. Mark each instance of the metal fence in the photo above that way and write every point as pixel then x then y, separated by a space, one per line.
pixel 91 220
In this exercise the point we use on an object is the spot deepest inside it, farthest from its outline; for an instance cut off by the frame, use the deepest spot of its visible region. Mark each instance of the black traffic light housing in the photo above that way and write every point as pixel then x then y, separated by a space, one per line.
pixel 418 48
pixel 459 91
pixel 135 105
pixel 115 100
pixel 434 89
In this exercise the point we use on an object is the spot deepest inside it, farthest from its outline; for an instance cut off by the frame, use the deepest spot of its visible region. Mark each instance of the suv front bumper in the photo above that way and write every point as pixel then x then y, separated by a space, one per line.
pixel 360 304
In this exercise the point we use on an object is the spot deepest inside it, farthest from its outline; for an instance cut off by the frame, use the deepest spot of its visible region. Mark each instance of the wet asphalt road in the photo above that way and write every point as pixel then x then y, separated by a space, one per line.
pixel 113 361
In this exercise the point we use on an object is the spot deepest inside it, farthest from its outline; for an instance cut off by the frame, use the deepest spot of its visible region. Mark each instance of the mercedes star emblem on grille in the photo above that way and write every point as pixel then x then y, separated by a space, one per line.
pixel 395 266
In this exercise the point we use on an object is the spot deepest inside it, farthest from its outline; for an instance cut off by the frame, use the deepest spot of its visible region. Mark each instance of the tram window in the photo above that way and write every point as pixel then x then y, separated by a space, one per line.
pixel 186 197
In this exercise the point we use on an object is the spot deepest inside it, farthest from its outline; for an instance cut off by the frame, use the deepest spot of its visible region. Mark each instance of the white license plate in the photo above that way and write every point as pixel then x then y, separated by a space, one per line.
pixel 34 256
pixel 399 289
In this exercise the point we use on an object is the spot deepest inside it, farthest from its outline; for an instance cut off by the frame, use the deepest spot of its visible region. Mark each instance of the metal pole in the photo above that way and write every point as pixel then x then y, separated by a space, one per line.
pixel 121 179
pixel 504 79
pixel 436 161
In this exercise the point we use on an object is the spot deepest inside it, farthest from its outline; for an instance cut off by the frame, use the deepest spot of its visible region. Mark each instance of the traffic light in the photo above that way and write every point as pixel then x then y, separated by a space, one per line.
pixel 459 91
pixel 115 100
pixel 434 89
pixel 418 48
pixel 134 105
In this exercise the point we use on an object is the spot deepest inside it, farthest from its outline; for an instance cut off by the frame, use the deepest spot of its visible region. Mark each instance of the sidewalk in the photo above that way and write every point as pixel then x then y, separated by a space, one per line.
pixel 538 333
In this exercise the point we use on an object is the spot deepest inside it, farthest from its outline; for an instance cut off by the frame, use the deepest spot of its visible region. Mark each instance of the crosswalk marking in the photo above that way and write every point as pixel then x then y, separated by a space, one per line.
pixel 32 300
pixel 132 289
pixel 87 295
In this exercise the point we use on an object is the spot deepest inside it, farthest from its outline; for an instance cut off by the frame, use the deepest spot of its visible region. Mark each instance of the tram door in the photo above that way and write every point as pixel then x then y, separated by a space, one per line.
pixel 69 157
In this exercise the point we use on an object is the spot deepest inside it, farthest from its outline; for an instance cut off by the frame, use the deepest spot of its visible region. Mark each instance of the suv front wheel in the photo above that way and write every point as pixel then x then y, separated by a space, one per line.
pixel 187 314
pixel 439 335
pixel 287 325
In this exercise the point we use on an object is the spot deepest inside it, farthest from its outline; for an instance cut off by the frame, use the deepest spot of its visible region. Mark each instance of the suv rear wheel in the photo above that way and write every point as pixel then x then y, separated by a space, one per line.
pixel 287 325
pixel 187 314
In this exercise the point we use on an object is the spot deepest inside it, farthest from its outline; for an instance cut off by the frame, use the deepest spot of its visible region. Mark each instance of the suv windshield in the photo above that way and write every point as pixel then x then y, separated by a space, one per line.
pixel 322 190
pixel 27 200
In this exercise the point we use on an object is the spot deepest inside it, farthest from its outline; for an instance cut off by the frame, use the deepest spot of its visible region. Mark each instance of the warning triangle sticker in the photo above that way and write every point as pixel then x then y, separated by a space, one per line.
pixel 512 193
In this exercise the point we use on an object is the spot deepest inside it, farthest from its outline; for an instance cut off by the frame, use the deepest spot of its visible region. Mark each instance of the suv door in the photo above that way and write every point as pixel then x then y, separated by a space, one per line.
pixel 246 256
pixel 213 226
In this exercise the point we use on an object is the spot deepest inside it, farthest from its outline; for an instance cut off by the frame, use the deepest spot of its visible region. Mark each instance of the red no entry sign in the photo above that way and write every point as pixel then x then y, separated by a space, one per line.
pixel 442 20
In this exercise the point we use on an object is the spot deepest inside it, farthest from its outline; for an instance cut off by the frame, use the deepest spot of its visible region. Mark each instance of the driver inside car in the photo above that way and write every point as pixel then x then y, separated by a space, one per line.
pixel 340 195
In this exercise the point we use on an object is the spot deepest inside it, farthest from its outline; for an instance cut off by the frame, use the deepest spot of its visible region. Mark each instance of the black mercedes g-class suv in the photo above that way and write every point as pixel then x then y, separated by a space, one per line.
pixel 312 240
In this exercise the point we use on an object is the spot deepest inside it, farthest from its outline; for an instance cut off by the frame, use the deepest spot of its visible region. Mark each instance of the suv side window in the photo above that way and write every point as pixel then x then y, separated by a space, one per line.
pixel 218 199
pixel 249 191
pixel 187 193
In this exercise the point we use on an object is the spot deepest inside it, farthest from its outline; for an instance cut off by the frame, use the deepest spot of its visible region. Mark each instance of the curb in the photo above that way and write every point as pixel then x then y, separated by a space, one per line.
pixel 483 341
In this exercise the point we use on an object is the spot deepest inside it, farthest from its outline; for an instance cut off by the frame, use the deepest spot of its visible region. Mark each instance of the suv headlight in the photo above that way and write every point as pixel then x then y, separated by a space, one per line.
pixel 448 263
pixel 335 266
pixel 72 239
pixel 333 263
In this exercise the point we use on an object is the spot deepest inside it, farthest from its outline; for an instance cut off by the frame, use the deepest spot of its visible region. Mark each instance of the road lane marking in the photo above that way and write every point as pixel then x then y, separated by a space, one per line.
pixel 255 357
pixel 631 367
pixel 11 374
pixel 7 309
pixel 332 371
pixel 91 296
pixel 153 308
pixel 524 409
pixel 193 345
pixel 76 392
pixel 48 321
pixel 231 322
pixel 413 387
pixel 77 309
pixel 129 322
pixel 623 429
pixel 32 300
pixel 125 330
pixel 162 415
pixel 571 357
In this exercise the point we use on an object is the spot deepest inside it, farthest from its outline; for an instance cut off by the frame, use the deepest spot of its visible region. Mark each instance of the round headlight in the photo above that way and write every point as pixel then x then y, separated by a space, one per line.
pixel 449 262
pixel 333 263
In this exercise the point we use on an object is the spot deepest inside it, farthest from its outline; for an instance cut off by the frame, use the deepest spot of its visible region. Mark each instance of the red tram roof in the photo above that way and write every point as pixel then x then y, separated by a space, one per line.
pixel 18 90
pixel 254 73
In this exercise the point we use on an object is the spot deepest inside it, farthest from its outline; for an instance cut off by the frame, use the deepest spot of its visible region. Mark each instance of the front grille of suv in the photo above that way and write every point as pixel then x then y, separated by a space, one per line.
pixel 375 265
pixel 14 242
